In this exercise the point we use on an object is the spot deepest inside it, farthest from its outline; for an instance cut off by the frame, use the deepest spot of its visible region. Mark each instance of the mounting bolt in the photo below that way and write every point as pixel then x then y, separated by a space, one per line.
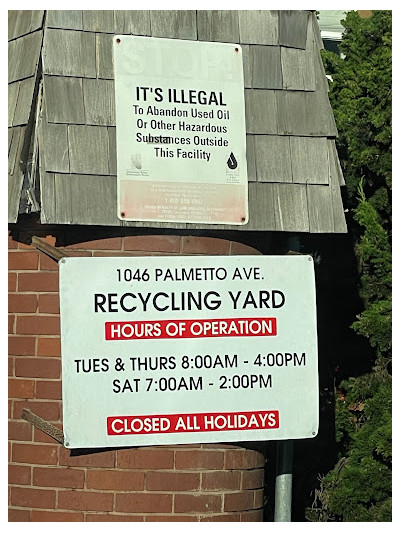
pixel 63 260
pixel 117 41
pixel 236 49
pixel 66 443
pixel 243 219
pixel 123 214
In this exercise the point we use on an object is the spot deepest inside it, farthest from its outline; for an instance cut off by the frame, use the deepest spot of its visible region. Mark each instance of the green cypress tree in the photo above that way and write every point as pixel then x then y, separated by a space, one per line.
pixel 359 487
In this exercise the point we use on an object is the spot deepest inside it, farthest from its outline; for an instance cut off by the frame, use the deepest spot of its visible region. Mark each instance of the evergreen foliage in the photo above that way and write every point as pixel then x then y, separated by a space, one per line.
pixel 361 99
pixel 359 487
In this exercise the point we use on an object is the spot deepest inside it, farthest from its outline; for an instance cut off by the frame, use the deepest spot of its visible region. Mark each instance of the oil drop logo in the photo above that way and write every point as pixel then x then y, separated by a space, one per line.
pixel 232 163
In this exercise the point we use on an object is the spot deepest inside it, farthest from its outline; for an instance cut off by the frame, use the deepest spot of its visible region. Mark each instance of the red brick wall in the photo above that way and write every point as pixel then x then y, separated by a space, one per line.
pixel 164 483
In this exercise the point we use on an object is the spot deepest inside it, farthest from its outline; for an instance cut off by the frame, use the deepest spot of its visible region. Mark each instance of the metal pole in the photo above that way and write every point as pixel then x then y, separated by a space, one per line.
pixel 283 482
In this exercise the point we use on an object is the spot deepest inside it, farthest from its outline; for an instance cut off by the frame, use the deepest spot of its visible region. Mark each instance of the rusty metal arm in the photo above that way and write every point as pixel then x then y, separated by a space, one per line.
pixel 44 426
pixel 48 249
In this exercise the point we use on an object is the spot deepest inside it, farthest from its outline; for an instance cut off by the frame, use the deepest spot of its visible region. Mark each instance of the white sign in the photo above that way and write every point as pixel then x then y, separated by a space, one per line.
pixel 181 134
pixel 171 350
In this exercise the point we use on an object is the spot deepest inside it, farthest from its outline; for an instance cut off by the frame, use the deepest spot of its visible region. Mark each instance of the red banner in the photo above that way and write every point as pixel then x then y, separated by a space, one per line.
pixel 186 329
pixel 189 423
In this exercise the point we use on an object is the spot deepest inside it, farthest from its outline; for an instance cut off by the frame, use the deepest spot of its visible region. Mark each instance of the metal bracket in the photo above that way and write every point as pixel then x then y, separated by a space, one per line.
pixel 48 249
pixel 44 426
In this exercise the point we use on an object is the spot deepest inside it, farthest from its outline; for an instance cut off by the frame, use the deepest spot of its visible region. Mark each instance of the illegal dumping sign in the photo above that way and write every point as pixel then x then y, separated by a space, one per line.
pixel 174 350
pixel 180 131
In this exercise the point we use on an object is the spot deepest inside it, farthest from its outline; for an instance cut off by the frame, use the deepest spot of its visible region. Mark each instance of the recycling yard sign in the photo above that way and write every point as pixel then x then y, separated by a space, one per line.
pixel 174 350
pixel 180 131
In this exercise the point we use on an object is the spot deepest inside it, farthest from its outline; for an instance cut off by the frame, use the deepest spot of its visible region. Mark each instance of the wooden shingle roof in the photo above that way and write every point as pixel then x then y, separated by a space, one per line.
pixel 62 62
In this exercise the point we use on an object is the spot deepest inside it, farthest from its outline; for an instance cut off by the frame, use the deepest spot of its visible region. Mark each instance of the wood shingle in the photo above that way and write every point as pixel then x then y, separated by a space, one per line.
pixel 69 91
pixel 81 57
pixel 266 67
pixel 23 56
pixel 220 26
pixel 258 27
pixel 273 159
pixel 293 168
pixel 88 149
pixel 23 22
pixel 23 105
pixel 293 28
pixel 261 111
pixel 65 19
pixel 173 24
pixel 132 22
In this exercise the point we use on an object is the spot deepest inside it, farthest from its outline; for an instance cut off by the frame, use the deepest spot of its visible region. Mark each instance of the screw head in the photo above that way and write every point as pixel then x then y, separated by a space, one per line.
pixel 123 214
pixel 117 41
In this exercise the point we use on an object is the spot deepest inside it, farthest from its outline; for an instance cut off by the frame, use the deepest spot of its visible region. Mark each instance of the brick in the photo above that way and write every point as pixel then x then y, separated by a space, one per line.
pixel 38 325
pixel 153 243
pixel 51 390
pixel 37 367
pixel 239 501
pixel 58 477
pixel 19 475
pixel 49 303
pixel 12 244
pixel 44 454
pixel 11 323
pixel 23 260
pixel 12 281
pixel 11 366
pixel 80 500
pixel 49 411
pixel 145 458
pixel 200 459
pixel 22 303
pixel 18 515
pixel 258 498
pixel 47 263
pixel 113 243
pixel 18 345
pixel 252 516
pixel 252 479
pixel 216 446
pixel 243 459
pixel 104 253
pixel 205 246
pixel 24 245
pixel 229 480
pixel 28 497
pixel 49 346
pixel 21 388
pixel 171 518
pixel 172 481
pixel 198 503
pixel 105 517
pixel 114 480
pixel 94 459
pixel 143 503
pixel 56 516
pixel 226 517
pixel 38 282
pixel 238 248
